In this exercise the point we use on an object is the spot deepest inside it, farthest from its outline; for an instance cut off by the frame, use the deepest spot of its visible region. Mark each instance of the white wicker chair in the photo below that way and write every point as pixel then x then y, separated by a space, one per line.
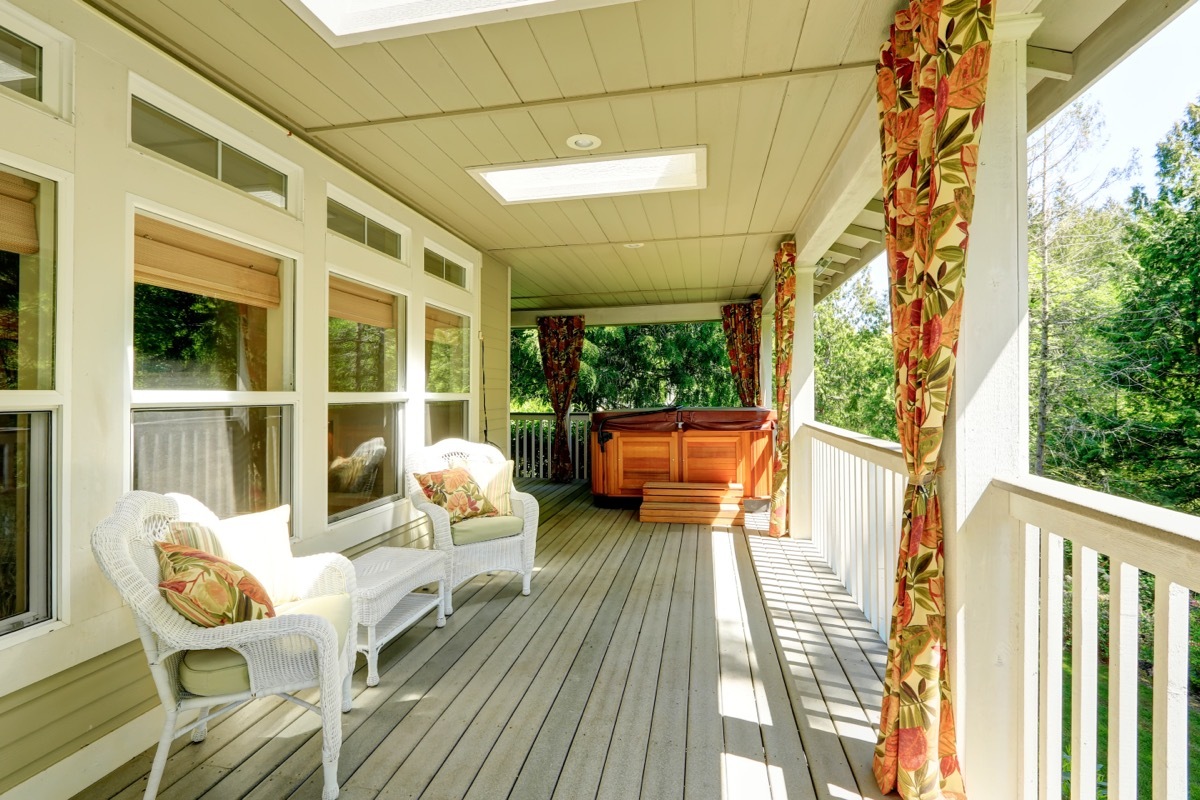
pixel 284 654
pixel 514 553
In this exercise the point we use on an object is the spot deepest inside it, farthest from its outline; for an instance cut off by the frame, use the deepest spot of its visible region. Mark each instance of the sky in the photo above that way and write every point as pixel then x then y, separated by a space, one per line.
pixel 1140 99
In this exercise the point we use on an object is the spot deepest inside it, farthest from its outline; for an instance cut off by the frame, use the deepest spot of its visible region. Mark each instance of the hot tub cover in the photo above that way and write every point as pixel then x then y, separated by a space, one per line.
pixel 694 419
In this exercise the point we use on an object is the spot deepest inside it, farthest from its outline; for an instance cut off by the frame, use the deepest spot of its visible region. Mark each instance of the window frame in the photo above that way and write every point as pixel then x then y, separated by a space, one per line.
pixel 58 57
pixel 188 114
pixel 371 214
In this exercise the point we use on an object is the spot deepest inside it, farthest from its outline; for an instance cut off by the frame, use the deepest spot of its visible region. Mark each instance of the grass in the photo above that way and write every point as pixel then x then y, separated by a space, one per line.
pixel 1145 734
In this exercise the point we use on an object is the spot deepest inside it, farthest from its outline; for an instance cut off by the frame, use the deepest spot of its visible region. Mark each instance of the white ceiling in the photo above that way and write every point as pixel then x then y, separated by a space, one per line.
pixel 772 88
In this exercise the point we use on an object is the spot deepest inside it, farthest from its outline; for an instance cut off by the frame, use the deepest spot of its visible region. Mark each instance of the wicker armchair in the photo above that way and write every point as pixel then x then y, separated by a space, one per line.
pixel 292 651
pixel 513 553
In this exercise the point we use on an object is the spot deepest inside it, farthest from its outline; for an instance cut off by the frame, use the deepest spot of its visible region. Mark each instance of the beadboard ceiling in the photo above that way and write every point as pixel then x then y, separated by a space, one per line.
pixel 772 88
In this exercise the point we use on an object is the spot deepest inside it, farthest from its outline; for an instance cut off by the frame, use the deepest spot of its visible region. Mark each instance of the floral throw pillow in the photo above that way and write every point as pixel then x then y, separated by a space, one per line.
pixel 455 490
pixel 209 590
pixel 496 481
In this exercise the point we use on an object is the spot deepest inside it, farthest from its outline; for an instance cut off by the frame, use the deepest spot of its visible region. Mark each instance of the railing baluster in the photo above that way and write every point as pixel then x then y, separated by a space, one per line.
pixel 1050 690
pixel 1170 691
pixel 1122 679
pixel 1084 657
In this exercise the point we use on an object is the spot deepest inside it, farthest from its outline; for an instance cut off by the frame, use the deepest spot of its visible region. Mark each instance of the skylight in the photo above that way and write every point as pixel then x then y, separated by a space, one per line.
pixel 348 22
pixel 595 176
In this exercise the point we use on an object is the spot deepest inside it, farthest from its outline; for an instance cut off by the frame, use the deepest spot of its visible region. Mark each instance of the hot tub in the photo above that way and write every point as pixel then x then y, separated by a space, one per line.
pixel 687 445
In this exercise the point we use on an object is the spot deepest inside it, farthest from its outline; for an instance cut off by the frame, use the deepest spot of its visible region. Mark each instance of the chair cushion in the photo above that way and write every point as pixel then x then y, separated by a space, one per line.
pixel 494 479
pixel 195 534
pixel 209 673
pixel 262 544
pixel 454 490
pixel 485 529
pixel 209 590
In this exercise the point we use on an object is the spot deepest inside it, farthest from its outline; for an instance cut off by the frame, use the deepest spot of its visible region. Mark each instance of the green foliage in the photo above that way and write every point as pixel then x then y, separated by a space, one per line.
pixel 183 340
pixel 855 368
pixel 362 358
pixel 633 366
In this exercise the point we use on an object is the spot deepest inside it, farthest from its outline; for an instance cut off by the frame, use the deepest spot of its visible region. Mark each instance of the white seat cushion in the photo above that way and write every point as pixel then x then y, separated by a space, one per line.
pixel 485 529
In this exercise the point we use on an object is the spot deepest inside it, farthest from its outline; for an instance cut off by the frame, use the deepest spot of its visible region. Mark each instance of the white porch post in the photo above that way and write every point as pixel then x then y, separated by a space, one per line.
pixel 987 436
pixel 804 399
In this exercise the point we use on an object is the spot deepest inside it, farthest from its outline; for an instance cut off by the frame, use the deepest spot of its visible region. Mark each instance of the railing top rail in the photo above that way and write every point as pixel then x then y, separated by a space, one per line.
pixel 531 415
pixel 877 451
pixel 1156 540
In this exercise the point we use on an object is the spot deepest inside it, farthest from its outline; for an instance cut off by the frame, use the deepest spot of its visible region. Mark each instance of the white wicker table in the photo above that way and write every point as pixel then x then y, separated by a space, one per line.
pixel 385 600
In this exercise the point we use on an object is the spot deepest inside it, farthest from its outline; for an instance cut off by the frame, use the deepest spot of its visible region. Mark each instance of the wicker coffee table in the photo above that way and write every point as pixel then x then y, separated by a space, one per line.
pixel 385 600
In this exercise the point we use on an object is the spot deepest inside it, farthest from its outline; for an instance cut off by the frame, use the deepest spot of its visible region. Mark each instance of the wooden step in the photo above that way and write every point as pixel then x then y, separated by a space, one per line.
pixel 666 491
pixel 699 513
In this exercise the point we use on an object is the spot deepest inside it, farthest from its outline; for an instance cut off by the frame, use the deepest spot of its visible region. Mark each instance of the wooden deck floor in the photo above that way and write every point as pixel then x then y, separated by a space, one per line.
pixel 645 663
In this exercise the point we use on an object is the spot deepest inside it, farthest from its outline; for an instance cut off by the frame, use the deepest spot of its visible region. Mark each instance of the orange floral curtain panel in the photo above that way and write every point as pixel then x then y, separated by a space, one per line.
pixel 932 79
pixel 561 343
pixel 743 336
pixel 785 327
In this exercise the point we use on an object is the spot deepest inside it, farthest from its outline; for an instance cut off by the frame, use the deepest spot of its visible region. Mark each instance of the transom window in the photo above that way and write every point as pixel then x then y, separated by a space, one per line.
pixel 175 139
pixel 439 266
pixel 363 229
pixel 20 65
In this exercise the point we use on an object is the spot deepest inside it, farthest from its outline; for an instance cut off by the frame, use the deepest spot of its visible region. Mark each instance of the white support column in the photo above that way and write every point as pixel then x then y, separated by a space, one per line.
pixel 991 616
pixel 804 405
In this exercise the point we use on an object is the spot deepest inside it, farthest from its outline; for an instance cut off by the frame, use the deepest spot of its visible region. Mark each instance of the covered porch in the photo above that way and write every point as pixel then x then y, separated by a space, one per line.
pixel 650 660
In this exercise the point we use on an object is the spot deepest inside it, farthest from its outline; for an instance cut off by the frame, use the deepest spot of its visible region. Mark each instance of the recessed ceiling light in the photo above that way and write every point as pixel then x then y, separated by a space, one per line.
pixel 347 22
pixel 596 176
pixel 583 141
pixel 635 245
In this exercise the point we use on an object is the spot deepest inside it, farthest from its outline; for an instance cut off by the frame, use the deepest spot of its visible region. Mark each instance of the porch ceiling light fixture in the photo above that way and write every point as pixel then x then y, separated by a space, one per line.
pixel 583 141
pixel 674 170
pixel 342 23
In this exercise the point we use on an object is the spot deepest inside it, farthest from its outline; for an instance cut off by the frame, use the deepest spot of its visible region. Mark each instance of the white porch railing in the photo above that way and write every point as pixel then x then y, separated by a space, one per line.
pixel 856 503
pixel 532 436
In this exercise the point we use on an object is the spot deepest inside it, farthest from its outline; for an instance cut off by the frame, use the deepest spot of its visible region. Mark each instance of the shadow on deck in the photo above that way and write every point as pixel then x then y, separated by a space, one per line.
pixel 645 663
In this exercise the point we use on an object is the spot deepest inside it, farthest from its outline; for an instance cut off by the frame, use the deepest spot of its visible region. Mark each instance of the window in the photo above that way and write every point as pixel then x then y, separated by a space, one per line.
pixel 20 65
pixel 348 222
pixel 364 449
pixel 207 313
pixel 445 419
pixel 439 266
pixel 234 460
pixel 175 139
pixel 447 352
pixel 27 276
pixel 366 350
pixel 25 547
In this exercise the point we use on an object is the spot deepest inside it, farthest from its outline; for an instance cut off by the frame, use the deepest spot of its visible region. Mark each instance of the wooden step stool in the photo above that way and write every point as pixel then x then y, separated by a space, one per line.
pixel 700 503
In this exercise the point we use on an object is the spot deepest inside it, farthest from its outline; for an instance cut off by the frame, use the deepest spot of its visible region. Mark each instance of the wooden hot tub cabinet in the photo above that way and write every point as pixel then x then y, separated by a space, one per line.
pixel 689 445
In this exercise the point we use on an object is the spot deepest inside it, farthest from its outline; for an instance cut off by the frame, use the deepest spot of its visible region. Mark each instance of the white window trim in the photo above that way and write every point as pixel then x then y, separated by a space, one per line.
pixel 467 264
pixel 58 62
pixel 332 192
pixel 165 101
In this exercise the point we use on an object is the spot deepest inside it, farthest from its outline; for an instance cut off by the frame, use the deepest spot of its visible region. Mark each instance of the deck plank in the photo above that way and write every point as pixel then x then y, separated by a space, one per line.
pixel 653 660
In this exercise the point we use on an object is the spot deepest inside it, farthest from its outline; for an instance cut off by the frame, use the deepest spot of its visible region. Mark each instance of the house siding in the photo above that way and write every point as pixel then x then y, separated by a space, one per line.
pixel 494 323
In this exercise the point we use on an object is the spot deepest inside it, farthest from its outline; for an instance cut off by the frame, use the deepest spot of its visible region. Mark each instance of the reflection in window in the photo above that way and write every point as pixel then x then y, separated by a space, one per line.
pixel 25 583
pixel 445 419
pixel 206 312
pixel 20 65
pixel 365 349
pixel 234 460
pixel 363 453
pixel 169 136
pixel 27 265
pixel 439 266
pixel 447 352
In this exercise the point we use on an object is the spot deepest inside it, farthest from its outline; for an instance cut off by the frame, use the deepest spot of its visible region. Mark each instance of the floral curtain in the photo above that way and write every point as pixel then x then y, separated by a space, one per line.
pixel 561 341
pixel 932 80
pixel 785 327
pixel 743 337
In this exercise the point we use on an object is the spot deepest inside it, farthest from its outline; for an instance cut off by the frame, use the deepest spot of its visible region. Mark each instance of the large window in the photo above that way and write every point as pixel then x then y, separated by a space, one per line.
pixel 348 222
pixel 207 313
pixel 364 448
pixel 20 65
pixel 439 266
pixel 25 547
pixel 447 352
pixel 27 258
pixel 175 139
pixel 236 460
pixel 366 347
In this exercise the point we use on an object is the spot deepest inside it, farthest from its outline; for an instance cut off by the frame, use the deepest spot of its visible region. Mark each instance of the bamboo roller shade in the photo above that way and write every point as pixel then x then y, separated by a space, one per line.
pixel 176 258
pixel 18 217
pixel 437 319
pixel 357 303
